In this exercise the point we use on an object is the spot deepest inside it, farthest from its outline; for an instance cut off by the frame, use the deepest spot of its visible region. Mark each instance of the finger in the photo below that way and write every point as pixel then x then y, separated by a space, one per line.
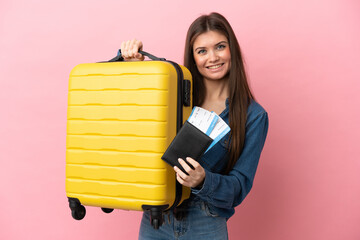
pixel 193 162
pixel 133 47
pixel 130 49
pixel 139 45
pixel 179 172
pixel 126 49
pixel 186 166
pixel 123 50
pixel 122 47
pixel 139 56
pixel 180 180
pixel 136 48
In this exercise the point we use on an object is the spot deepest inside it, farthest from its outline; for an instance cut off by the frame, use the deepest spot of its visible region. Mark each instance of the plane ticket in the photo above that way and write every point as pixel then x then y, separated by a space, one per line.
pixel 209 123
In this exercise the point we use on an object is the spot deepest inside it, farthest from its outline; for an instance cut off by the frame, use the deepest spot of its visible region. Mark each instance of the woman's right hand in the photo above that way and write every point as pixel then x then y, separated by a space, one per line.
pixel 130 50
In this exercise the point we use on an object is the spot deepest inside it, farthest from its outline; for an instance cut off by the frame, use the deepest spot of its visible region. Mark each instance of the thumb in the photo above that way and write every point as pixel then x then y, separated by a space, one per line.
pixel 139 56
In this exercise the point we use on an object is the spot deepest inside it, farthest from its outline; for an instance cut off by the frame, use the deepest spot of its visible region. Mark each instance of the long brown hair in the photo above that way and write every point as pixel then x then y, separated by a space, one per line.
pixel 239 91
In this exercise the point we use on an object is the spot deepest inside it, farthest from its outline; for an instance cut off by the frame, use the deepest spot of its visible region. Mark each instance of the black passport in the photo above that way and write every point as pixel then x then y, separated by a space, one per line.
pixel 189 142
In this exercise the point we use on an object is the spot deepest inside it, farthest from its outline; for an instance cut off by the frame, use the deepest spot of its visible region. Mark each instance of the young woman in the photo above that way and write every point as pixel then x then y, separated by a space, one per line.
pixel 224 175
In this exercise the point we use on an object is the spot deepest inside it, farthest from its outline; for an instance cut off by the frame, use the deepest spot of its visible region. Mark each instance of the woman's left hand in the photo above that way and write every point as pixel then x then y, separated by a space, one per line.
pixel 196 176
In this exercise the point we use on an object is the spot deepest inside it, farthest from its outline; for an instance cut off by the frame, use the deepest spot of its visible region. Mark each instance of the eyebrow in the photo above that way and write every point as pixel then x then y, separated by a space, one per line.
pixel 215 45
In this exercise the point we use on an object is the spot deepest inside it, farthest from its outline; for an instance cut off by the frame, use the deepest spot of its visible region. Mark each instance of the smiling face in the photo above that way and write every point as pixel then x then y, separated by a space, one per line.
pixel 212 55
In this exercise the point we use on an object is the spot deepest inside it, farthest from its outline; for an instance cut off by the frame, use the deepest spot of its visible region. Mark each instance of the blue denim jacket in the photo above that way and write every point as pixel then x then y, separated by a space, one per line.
pixel 224 192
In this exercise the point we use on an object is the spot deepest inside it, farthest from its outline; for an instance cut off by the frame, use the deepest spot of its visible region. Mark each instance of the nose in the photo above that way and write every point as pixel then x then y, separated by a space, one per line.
pixel 213 56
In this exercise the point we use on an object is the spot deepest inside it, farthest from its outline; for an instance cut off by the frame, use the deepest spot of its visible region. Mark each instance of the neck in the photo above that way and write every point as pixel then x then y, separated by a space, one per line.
pixel 216 90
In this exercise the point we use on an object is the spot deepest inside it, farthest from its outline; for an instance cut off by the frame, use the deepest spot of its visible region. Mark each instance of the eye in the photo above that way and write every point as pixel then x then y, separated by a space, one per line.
pixel 201 51
pixel 221 46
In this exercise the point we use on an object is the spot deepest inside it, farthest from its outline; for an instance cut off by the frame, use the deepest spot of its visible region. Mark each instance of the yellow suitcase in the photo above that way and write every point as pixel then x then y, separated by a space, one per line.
pixel 121 118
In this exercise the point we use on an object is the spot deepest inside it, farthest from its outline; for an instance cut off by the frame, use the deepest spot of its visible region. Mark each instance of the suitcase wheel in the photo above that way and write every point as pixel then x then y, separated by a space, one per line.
pixel 156 217
pixel 155 222
pixel 107 210
pixel 156 214
pixel 78 211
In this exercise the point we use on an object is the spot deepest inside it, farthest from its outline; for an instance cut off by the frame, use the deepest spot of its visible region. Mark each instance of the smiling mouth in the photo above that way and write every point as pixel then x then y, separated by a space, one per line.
pixel 215 66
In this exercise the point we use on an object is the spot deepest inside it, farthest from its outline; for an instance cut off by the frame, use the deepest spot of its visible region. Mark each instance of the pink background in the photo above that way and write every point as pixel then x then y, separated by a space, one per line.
pixel 303 63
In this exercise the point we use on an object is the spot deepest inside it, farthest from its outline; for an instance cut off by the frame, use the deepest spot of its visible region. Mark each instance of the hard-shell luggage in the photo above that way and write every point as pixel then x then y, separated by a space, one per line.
pixel 121 118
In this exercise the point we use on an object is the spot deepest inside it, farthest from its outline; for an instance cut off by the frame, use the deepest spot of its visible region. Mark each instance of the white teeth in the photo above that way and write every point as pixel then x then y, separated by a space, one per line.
pixel 216 66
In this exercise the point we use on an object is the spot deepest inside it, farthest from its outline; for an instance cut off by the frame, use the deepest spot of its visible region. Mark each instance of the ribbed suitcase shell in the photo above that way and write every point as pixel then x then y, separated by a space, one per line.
pixel 121 118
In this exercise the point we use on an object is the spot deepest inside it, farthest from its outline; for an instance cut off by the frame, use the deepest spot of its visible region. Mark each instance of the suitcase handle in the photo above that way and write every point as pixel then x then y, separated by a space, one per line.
pixel 119 57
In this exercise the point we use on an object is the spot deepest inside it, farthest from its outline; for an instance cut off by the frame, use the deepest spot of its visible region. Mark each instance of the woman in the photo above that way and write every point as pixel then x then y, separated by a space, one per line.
pixel 222 178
